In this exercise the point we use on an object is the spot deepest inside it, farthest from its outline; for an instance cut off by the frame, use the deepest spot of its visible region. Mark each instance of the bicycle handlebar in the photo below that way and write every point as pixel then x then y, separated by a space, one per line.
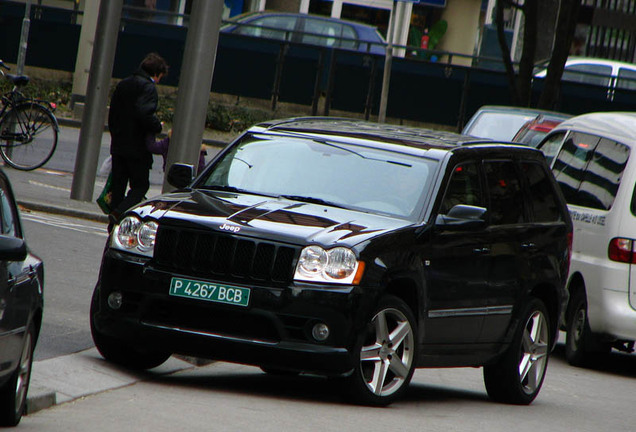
pixel 4 65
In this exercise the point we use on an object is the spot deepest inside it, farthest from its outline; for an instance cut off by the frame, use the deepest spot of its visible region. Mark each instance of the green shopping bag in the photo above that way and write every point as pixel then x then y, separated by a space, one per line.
pixel 104 199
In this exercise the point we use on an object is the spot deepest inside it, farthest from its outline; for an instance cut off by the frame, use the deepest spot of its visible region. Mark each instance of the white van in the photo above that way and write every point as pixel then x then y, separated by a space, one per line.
pixel 590 158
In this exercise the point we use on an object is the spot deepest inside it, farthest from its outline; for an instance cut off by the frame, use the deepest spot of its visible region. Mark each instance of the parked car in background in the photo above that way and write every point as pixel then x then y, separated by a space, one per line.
pixel 308 29
pixel 348 249
pixel 532 132
pixel 591 158
pixel 596 71
pixel 502 123
pixel 21 285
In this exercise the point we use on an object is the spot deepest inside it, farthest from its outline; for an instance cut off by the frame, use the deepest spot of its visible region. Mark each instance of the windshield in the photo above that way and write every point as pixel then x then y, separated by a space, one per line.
pixel 338 174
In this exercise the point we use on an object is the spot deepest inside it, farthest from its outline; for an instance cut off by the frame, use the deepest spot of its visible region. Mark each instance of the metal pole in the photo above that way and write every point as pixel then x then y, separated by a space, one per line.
pixel 195 83
pixel 388 60
pixel 24 38
pixel 94 115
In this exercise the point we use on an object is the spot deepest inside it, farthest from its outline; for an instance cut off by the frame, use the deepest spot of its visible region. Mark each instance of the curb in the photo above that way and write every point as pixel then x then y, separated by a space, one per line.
pixel 65 211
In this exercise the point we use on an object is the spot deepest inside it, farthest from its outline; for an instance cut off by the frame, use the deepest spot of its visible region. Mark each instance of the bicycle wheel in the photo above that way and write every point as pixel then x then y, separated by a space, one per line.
pixel 28 136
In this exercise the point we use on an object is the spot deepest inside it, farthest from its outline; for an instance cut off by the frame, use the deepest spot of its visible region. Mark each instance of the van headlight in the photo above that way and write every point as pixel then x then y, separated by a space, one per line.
pixel 135 236
pixel 337 265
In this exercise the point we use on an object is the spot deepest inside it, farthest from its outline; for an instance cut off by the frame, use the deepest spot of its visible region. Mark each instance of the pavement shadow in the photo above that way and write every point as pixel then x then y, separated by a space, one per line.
pixel 308 388
pixel 615 363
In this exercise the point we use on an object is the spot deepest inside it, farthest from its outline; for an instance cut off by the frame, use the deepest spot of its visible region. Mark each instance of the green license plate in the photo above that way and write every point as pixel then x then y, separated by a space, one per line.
pixel 213 292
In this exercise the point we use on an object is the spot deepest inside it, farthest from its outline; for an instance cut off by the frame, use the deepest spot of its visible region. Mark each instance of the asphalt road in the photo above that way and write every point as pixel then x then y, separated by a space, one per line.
pixel 71 249
pixel 226 397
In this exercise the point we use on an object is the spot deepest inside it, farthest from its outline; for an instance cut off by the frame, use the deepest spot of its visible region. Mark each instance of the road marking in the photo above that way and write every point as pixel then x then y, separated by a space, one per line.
pixel 65 223
pixel 37 183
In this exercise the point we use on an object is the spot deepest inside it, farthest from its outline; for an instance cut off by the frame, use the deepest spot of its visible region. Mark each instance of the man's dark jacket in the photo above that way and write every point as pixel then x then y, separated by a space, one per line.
pixel 132 117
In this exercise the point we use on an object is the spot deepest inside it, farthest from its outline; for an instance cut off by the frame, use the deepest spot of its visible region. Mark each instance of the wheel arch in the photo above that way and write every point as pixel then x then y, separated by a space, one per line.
pixel 548 295
pixel 406 289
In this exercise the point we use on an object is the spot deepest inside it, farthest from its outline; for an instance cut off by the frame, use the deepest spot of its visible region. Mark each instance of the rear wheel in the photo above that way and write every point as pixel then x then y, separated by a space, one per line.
pixel 518 375
pixel 386 354
pixel 28 136
pixel 13 394
pixel 581 345
pixel 122 352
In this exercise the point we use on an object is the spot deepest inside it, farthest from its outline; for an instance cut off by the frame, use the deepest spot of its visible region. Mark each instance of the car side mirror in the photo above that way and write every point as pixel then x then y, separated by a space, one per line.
pixel 12 248
pixel 180 175
pixel 462 216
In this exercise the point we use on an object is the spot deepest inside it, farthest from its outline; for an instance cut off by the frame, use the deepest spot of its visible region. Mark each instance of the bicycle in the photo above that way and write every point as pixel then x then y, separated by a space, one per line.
pixel 28 127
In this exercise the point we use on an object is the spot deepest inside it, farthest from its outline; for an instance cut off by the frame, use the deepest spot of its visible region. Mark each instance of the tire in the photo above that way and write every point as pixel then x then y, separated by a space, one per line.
pixel 581 345
pixel 13 394
pixel 29 136
pixel 518 375
pixel 122 352
pixel 385 354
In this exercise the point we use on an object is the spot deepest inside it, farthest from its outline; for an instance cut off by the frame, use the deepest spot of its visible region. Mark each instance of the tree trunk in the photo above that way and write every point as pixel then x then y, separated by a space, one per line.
pixel 564 34
pixel 526 64
pixel 505 52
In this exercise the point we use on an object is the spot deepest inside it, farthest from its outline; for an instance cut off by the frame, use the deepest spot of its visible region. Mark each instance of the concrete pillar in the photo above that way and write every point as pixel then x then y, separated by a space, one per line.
pixel 85 51
pixel 463 28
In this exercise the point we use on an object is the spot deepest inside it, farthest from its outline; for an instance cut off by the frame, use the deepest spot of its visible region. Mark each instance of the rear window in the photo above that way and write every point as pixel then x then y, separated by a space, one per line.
pixel 626 79
pixel 589 170
pixel 544 205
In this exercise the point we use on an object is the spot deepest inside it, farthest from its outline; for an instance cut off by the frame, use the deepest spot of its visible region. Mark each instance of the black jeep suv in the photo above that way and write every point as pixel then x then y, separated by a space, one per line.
pixel 345 248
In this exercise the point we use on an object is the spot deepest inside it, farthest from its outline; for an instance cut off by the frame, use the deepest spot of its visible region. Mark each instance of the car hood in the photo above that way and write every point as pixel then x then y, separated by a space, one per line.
pixel 271 218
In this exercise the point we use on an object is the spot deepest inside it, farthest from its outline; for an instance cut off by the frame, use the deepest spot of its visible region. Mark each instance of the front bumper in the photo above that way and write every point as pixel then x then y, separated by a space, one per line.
pixel 274 330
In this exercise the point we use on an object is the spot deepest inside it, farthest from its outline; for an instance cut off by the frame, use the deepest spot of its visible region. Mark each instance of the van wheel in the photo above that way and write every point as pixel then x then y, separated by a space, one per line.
pixel 518 375
pixel 581 345
pixel 121 352
pixel 386 354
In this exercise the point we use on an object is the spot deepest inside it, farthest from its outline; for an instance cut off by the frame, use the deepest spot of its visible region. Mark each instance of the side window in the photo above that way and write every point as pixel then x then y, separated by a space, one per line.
pixel 589 170
pixel 506 193
pixel 325 33
pixel 544 205
pixel 463 188
pixel 551 146
pixel 626 79
pixel 8 214
pixel 271 27
pixel 588 74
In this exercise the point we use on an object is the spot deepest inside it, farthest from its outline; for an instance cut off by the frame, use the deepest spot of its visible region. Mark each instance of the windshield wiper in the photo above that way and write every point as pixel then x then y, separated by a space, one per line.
pixel 226 188
pixel 311 200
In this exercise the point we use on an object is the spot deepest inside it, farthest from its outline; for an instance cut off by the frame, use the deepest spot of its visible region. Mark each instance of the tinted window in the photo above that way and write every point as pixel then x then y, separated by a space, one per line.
pixel 544 205
pixel 506 194
pixel 626 79
pixel 271 27
pixel 331 34
pixel 588 74
pixel 589 169
pixel 463 188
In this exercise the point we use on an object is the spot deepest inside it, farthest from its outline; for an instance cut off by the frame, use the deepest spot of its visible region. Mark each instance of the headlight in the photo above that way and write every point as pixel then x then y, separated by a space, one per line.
pixel 135 236
pixel 337 265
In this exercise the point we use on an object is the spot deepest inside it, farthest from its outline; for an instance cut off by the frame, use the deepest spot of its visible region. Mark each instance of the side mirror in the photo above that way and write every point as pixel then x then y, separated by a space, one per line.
pixel 180 175
pixel 463 217
pixel 12 248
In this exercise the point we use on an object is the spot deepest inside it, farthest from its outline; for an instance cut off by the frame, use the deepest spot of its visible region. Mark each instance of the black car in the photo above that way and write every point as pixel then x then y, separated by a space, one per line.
pixel 21 291
pixel 346 248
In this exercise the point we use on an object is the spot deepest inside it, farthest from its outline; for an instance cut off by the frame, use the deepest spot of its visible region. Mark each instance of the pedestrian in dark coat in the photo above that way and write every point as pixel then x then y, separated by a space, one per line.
pixel 131 118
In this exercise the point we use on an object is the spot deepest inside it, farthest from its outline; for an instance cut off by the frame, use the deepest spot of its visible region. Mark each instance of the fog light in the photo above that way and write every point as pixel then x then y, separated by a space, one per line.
pixel 320 332
pixel 115 300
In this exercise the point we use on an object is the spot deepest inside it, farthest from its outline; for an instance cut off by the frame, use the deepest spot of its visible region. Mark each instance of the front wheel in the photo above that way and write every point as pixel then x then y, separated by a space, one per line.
pixel 121 352
pixel 13 394
pixel 518 375
pixel 386 354
pixel 28 136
